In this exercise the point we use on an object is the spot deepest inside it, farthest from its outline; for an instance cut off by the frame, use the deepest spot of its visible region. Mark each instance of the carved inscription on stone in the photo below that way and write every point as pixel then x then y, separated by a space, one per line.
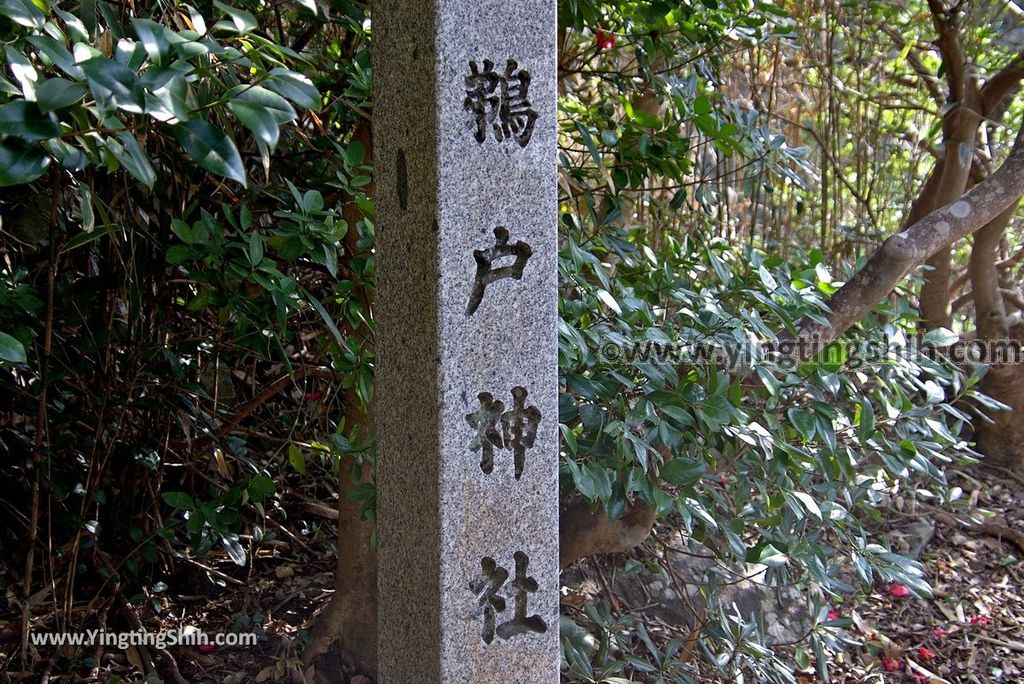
pixel 499 101
pixel 486 270
pixel 518 429
pixel 487 587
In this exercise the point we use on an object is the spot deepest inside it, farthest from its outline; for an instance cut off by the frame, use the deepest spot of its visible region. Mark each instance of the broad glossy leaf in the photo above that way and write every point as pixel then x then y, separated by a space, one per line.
pixel 69 156
pixel 24 73
pixel 261 111
pixel 22 12
pixel 116 80
pixel 58 93
pixel 153 38
pixel 11 350
pixel 294 86
pixel 128 151
pixel 258 96
pixel 75 27
pixel 170 100
pixel 55 51
pixel 23 120
pixel 258 120
pixel 211 149
pixel 242 21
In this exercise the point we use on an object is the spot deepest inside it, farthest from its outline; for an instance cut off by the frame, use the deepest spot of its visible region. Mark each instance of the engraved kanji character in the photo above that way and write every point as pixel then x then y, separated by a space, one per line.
pixel 487 273
pixel 501 101
pixel 485 421
pixel 519 428
pixel 524 586
pixel 486 587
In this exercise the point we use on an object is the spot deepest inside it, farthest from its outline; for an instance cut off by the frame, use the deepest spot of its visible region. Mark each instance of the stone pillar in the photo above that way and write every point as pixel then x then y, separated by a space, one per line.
pixel 467 370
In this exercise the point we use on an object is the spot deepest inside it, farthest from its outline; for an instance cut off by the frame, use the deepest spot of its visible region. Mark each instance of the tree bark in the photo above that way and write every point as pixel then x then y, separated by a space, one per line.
pixel 909 248
pixel 1001 436
pixel 345 633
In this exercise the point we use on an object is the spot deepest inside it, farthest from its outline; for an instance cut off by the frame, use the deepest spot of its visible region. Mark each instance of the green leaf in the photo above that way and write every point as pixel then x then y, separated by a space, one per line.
pixel 179 500
pixel 682 471
pixel 132 157
pixel 20 162
pixel 58 93
pixel 55 51
pixel 609 301
pixel 260 487
pixel 153 39
pixel 178 254
pixel 211 149
pixel 109 78
pixel 243 21
pixel 23 120
pixel 328 321
pixel 261 111
pixel 258 120
pixel 23 12
pixel 297 459
pixel 702 105
pixel 168 98
pixel 866 428
pixel 88 216
pixel 294 86
pixel 940 337
pixel 11 350
pixel 803 421
pixel 809 503
pixel 22 70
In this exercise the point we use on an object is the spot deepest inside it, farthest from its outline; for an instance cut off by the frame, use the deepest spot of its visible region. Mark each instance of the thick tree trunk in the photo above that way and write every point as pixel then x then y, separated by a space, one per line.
pixel 1001 438
pixel 345 633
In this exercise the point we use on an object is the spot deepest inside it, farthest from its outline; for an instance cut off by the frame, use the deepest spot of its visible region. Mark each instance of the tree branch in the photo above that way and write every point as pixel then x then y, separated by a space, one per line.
pixel 906 250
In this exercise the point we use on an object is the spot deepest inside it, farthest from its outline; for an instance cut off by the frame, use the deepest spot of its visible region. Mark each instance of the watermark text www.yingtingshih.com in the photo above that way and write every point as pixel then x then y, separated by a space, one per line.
pixel 728 354
pixel 188 636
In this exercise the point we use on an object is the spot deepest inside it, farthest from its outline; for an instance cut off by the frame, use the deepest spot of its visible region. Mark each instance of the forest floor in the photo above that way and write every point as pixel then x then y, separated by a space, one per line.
pixel 971 630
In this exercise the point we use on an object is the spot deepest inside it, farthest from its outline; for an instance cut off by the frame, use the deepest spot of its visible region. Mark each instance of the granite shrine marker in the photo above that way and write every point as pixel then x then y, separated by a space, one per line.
pixel 467 373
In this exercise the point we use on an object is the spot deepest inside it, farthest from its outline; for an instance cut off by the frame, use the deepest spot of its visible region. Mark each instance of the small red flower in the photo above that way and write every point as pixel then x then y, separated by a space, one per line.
pixel 604 41
pixel 898 591
pixel 939 633
pixel 918 677
pixel 314 396
pixel 925 653
pixel 979 619
pixel 723 479
pixel 892 665
pixel 205 648
pixel 833 615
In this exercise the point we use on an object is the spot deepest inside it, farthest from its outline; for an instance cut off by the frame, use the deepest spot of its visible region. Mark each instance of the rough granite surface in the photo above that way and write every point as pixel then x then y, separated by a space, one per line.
pixel 441 193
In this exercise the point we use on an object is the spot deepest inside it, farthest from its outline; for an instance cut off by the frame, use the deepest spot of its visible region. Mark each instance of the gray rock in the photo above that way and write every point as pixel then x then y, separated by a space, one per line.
pixel 781 612
pixel 467 477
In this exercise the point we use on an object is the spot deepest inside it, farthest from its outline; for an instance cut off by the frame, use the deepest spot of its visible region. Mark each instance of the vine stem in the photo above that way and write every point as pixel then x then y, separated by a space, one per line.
pixel 41 422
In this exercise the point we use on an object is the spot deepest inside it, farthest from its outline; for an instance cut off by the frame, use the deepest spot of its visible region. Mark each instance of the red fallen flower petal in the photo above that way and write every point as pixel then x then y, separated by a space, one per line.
pixel 898 591
pixel 925 653
pixel 605 41
pixel 205 648
pixel 939 633
pixel 918 677
pixel 833 615
pixel 892 665
pixel 314 396
pixel 979 619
